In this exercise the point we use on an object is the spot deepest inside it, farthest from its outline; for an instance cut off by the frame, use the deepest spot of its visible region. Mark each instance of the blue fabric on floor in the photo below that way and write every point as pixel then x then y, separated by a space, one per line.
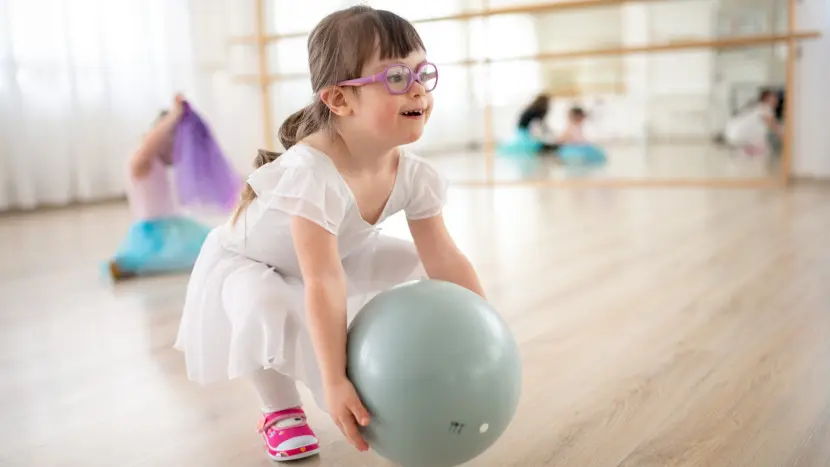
pixel 156 246
pixel 581 154
pixel 522 143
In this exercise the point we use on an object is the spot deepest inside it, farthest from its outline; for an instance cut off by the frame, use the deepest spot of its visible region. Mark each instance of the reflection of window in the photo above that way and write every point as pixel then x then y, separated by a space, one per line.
pixel 415 10
pixel 504 37
pixel 289 16
pixel 446 41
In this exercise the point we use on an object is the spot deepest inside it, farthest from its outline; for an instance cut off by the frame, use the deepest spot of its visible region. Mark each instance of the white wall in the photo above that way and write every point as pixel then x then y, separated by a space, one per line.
pixel 812 138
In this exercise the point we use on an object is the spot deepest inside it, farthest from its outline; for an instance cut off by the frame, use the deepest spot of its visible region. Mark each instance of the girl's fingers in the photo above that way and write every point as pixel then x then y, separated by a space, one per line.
pixel 360 413
pixel 349 428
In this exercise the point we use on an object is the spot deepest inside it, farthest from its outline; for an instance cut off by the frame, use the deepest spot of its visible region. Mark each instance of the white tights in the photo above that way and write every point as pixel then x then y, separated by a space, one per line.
pixel 276 391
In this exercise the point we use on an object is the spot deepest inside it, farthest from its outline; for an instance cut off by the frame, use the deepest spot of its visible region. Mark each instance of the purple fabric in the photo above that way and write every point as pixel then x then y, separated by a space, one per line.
pixel 204 177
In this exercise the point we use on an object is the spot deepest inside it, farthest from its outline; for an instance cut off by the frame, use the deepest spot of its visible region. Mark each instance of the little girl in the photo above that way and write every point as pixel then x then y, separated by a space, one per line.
pixel 753 128
pixel 531 130
pixel 573 131
pixel 162 239
pixel 574 147
pixel 273 290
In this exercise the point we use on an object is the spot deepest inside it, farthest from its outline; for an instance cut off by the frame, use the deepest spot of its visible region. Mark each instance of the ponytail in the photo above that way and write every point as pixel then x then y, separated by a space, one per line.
pixel 248 195
pixel 295 128
pixel 310 119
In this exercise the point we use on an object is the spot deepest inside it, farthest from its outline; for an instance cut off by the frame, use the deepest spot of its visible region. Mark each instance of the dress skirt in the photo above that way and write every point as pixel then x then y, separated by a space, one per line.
pixel 241 315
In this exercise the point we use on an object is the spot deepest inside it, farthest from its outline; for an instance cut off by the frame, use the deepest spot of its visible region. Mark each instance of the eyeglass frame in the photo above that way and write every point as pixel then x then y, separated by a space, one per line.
pixel 381 77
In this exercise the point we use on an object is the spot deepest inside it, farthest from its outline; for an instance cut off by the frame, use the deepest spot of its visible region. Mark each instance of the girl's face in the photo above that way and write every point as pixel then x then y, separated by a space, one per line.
pixel 576 119
pixel 394 119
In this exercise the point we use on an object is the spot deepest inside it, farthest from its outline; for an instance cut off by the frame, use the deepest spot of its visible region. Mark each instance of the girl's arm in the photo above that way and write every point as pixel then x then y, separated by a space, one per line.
pixel 441 257
pixel 325 301
pixel 142 159
pixel 325 295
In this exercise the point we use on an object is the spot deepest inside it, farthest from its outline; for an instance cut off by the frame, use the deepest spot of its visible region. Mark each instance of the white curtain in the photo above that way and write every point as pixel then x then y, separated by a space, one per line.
pixel 80 81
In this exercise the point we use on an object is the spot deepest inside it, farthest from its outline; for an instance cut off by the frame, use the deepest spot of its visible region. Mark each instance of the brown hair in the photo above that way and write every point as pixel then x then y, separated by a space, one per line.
pixel 540 104
pixel 577 112
pixel 262 157
pixel 338 48
pixel 765 94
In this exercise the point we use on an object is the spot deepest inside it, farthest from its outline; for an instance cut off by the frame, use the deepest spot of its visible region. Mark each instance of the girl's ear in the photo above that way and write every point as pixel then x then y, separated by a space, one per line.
pixel 336 100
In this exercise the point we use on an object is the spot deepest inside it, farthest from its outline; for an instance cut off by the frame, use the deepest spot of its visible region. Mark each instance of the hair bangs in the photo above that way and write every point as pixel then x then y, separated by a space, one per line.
pixel 397 36
pixel 368 31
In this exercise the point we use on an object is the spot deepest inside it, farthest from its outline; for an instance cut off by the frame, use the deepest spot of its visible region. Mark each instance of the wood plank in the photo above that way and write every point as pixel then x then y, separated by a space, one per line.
pixel 790 95
pixel 263 77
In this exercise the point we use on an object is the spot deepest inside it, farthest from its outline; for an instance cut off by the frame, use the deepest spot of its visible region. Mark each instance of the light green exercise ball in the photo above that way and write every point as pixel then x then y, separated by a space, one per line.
pixel 439 371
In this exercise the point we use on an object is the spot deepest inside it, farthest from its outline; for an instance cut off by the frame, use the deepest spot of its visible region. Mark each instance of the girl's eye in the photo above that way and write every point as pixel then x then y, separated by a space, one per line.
pixel 397 75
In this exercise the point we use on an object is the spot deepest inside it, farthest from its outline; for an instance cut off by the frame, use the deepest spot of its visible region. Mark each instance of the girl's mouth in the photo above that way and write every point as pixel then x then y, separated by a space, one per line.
pixel 414 113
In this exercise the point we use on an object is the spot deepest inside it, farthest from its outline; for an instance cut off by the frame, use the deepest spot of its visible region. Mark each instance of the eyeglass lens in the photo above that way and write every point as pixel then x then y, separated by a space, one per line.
pixel 398 77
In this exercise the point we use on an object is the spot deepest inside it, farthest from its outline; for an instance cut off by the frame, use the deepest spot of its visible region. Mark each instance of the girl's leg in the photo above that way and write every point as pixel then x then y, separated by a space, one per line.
pixel 283 426
pixel 276 391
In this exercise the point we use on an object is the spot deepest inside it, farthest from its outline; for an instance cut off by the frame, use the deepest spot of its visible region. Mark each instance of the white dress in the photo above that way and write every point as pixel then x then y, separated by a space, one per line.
pixel 749 128
pixel 244 306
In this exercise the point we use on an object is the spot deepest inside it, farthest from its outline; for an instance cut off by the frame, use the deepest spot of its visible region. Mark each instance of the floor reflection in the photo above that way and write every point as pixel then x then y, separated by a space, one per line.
pixel 624 161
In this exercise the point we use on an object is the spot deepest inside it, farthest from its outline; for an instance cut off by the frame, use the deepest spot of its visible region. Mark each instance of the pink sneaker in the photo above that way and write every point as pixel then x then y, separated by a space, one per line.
pixel 287 436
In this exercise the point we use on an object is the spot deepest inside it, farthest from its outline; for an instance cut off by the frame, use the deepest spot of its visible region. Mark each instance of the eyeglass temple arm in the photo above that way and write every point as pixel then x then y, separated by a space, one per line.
pixel 359 81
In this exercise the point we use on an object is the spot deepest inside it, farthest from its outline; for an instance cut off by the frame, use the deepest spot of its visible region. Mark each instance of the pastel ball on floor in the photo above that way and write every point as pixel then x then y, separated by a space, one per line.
pixel 439 371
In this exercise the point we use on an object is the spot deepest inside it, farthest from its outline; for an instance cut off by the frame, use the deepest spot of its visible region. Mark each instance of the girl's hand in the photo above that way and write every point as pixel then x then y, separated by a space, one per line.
pixel 347 411
pixel 178 106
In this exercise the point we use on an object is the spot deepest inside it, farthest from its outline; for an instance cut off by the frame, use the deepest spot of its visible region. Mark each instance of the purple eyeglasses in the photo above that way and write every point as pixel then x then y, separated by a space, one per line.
pixel 398 78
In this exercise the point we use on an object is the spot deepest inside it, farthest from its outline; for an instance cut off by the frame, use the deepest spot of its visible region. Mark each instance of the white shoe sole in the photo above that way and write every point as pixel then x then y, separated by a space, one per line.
pixel 295 457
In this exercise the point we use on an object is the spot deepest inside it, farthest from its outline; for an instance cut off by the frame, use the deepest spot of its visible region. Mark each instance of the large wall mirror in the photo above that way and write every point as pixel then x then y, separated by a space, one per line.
pixel 671 91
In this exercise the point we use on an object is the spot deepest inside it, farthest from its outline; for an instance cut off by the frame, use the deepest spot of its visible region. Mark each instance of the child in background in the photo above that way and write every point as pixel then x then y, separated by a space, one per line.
pixel 574 148
pixel 753 128
pixel 273 290
pixel 163 240
pixel 532 130
pixel 573 133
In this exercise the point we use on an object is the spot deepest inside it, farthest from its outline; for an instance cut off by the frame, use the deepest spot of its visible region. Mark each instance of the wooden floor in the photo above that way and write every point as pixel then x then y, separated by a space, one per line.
pixel 701 160
pixel 657 328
